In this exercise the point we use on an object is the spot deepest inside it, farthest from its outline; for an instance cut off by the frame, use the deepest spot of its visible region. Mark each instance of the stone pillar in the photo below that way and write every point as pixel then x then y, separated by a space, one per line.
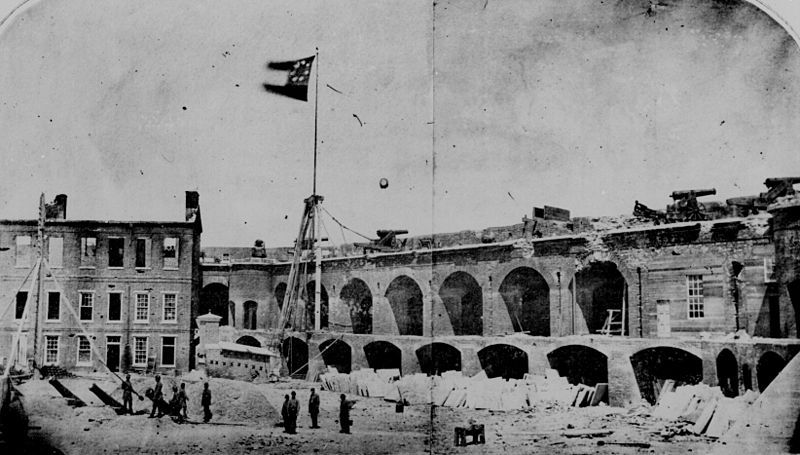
pixel 786 237
pixel 358 359
pixel 470 363
pixel 208 329
pixel 409 361
pixel 623 390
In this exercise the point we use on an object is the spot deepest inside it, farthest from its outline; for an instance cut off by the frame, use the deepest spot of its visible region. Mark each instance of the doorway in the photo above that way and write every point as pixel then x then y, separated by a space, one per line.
pixel 113 343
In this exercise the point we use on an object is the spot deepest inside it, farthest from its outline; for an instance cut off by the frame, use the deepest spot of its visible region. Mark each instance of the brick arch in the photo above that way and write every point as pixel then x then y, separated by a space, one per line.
pixel 652 366
pixel 462 297
pixel 504 360
pixel 357 297
pixel 435 358
pixel 406 299
pixel 337 353
pixel 580 364
pixel 526 295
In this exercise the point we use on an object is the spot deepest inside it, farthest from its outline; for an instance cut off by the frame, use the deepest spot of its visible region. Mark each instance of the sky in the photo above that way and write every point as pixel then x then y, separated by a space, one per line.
pixel 474 110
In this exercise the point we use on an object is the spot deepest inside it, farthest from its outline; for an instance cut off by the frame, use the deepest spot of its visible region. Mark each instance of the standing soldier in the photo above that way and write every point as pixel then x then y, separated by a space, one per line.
pixel 294 407
pixel 206 402
pixel 158 396
pixel 127 395
pixel 313 408
pixel 344 414
pixel 183 401
pixel 285 414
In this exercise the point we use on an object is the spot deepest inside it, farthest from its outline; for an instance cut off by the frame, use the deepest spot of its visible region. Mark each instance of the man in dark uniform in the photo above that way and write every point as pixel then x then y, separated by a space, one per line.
pixel 344 414
pixel 158 396
pixel 127 395
pixel 294 407
pixel 313 408
pixel 285 413
pixel 206 402
pixel 183 401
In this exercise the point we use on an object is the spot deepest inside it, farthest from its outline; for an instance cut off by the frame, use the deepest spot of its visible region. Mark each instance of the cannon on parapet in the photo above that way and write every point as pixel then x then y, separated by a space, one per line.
pixel 642 211
pixel 387 241
pixel 686 207
pixel 777 187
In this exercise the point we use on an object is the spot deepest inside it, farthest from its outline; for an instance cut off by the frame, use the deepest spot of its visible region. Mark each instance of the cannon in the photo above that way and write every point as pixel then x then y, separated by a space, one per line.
pixel 686 207
pixel 387 241
pixel 776 187
pixel 642 211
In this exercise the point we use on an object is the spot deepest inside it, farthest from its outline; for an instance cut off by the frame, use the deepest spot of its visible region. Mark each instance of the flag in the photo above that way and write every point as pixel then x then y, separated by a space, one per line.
pixel 297 82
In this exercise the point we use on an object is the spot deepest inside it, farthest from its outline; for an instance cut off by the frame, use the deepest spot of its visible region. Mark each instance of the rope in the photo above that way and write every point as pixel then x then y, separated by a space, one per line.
pixel 342 225
pixel 320 353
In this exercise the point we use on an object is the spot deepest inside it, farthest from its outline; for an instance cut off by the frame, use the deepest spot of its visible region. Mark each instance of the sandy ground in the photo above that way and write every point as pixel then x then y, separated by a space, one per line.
pixel 246 417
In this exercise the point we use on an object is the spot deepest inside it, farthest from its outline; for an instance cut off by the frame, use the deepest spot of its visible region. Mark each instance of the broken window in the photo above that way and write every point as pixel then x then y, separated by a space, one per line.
pixel 22 299
pixel 171 253
pixel 23 251
pixel 55 249
pixel 167 351
pixel 84 351
pixel 116 252
pixel 53 306
pixel 87 306
pixel 51 349
pixel 694 288
pixel 140 351
pixel 88 251
pixel 142 253
pixel 114 307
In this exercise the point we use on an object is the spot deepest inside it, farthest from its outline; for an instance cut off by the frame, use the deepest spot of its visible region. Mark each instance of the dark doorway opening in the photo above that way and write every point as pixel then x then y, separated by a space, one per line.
pixel 383 355
pixel 580 364
pixel 653 366
pixel 295 351
pixel 728 373
pixel 769 366
pixel 436 358
pixel 247 340
pixel 503 360
pixel 337 354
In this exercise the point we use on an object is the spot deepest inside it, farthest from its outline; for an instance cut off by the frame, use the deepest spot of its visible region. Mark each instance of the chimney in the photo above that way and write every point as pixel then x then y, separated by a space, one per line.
pixel 57 210
pixel 192 205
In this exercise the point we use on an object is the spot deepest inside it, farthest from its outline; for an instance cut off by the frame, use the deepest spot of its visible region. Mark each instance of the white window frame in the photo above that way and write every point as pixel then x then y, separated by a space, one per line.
pixel 59 263
pixel 84 263
pixel 136 319
pixel 695 303
pixel 47 306
pixel 177 253
pixel 29 254
pixel 115 267
pixel 81 293
pixel 121 307
pixel 78 351
pixel 146 351
pixel 47 349
pixel 174 351
pixel 769 270
pixel 164 308
pixel 147 256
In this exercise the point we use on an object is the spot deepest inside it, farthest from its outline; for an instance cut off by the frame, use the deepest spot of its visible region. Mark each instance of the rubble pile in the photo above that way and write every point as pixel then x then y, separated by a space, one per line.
pixel 453 389
pixel 700 409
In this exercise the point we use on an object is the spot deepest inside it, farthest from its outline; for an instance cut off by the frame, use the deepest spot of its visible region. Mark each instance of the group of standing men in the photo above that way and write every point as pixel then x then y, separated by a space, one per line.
pixel 177 405
pixel 291 408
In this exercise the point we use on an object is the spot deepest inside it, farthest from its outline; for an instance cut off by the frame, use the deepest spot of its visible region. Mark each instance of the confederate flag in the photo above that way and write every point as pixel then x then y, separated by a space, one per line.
pixel 297 82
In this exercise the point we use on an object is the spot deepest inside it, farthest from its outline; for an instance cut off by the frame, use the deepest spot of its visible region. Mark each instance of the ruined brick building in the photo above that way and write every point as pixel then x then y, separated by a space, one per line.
pixel 133 285
pixel 620 300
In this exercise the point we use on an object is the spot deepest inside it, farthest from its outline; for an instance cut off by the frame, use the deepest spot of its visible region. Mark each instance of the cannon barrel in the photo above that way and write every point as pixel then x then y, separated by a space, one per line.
pixel 775 181
pixel 385 232
pixel 689 193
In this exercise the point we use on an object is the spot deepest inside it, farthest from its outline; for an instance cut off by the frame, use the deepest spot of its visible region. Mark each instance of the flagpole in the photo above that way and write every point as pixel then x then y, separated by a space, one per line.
pixel 316 110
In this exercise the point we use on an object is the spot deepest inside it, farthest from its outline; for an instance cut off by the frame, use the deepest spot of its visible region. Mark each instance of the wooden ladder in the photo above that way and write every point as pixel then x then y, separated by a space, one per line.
pixel 613 324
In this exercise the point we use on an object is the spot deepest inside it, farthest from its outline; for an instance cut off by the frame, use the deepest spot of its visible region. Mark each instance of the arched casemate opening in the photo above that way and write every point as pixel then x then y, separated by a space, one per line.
pixel 503 360
pixel 436 358
pixel 247 340
pixel 463 298
pixel 527 298
pixel 405 298
pixel 653 366
pixel 309 299
pixel 579 364
pixel 728 373
pixel 214 300
pixel 250 311
pixel 295 351
pixel 357 297
pixel 769 366
pixel 600 288
pixel 337 354
pixel 382 355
